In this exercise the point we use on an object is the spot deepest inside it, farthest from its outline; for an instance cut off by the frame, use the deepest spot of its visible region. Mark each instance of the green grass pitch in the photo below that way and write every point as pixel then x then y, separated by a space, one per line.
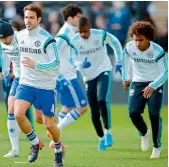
pixel 82 141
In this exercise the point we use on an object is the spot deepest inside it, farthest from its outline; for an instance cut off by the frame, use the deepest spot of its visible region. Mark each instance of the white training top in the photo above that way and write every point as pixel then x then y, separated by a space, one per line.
pixel 10 53
pixel 147 66
pixel 94 51
pixel 66 69
pixel 39 46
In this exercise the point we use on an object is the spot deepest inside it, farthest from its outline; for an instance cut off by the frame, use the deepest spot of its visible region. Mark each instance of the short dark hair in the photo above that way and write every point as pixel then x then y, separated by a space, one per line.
pixel 33 8
pixel 143 28
pixel 84 21
pixel 16 25
pixel 71 10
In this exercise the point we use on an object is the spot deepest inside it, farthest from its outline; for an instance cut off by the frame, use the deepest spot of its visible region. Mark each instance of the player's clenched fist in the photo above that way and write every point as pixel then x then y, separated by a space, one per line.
pixel 126 85
pixel 27 62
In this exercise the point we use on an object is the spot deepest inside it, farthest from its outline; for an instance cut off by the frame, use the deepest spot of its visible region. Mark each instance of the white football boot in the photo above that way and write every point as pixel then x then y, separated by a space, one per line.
pixel 12 154
pixel 145 141
pixel 156 152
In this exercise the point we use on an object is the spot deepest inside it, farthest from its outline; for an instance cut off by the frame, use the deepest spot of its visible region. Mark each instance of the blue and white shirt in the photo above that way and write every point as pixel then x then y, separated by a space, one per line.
pixel 66 69
pixel 10 53
pixel 39 46
pixel 147 66
pixel 94 51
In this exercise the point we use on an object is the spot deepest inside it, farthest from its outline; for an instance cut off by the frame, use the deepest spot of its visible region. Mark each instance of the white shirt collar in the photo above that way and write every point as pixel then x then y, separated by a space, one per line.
pixel 71 27
pixel 34 31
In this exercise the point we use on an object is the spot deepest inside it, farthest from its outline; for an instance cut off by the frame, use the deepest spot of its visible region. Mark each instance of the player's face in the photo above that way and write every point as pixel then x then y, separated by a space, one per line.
pixel 6 40
pixel 75 19
pixel 84 32
pixel 141 42
pixel 31 20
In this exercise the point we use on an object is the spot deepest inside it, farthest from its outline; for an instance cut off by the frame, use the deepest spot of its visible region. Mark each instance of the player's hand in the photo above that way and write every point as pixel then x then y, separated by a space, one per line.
pixel 86 64
pixel 12 76
pixel 27 62
pixel 148 91
pixel 118 68
pixel 7 80
pixel 126 85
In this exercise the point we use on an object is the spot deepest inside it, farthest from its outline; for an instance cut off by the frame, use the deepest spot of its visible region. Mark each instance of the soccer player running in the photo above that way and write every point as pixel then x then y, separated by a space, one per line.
pixel 10 53
pixel 16 26
pixel 150 72
pixel 70 91
pixel 38 80
pixel 89 55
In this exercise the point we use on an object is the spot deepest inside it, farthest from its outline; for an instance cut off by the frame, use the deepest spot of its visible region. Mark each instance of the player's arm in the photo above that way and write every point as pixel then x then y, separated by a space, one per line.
pixel 115 45
pixel 52 53
pixel 5 62
pixel 51 50
pixel 73 57
pixel 161 79
pixel 163 66
pixel 126 67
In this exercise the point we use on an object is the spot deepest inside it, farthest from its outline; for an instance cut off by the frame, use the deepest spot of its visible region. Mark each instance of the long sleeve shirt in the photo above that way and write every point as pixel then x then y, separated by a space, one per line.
pixel 10 53
pixel 66 69
pixel 39 46
pixel 94 51
pixel 147 66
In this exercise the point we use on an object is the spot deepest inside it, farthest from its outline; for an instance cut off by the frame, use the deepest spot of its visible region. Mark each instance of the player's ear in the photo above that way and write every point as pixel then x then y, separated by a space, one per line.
pixel 39 19
pixel 69 18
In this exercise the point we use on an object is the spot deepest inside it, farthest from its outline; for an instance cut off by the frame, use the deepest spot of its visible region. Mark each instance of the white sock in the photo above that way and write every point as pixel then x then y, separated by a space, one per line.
pixel 107 131
pixel 61 115
pixel 32 137
pixel 13 131
pixel 58 147
pixel 70 117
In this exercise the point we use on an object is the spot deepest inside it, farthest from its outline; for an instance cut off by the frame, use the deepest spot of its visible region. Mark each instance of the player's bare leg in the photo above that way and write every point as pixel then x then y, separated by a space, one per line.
pixel 20 108
pixel 38 116
pixel 50 125
pixel 67 119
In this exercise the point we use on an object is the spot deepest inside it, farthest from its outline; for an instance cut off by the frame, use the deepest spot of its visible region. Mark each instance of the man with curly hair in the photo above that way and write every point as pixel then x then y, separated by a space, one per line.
pixel 150 71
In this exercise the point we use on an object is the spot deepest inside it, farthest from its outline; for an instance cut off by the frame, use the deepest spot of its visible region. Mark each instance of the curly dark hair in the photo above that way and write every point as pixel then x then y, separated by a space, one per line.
pixel 71 10
pixel 143 28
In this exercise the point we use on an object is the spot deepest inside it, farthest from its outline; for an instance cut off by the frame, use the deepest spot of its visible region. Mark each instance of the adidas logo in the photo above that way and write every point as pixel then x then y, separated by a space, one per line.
pixel 160 91
pixel 134 54
pixel 81 47
pixel 22 42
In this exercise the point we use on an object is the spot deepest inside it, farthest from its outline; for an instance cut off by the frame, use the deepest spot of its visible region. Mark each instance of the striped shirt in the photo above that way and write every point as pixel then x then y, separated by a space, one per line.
pixel 147 66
